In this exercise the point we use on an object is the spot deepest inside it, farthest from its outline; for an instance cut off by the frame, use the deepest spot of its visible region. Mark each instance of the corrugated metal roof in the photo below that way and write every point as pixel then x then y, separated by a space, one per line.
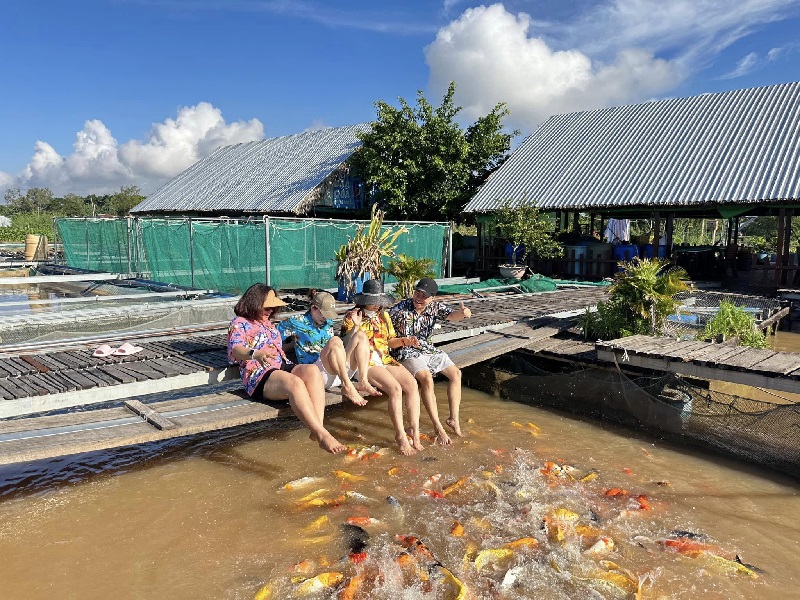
pixel 732 147
pixel 273 175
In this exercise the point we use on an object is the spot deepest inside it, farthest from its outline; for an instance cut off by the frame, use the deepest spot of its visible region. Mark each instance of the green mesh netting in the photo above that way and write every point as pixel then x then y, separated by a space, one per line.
pixel 228 255
pixel 536 283
pixel 98 244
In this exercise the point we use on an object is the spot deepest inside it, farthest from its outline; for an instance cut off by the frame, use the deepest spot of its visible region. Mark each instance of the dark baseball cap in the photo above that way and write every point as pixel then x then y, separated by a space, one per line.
pixel 427 286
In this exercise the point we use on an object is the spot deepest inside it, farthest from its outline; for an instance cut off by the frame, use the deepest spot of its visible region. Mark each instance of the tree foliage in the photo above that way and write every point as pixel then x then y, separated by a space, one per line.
pixel 524 226
pixel 422 164
pixel 41 201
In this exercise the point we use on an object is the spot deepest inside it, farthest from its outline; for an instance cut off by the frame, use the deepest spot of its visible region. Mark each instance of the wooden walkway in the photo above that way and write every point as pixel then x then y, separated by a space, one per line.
pixel 736 364
pixel 47 381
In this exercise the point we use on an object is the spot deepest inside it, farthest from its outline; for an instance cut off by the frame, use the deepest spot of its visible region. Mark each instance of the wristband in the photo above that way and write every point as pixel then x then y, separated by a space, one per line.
pixel 253 354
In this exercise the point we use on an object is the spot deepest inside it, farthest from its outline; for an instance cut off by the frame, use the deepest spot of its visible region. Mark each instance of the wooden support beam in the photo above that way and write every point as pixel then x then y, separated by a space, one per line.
pixel 156 419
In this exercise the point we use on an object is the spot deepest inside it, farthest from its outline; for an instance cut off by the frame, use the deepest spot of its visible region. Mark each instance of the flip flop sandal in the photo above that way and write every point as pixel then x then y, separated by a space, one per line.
pixel 127 349
pixel 103 351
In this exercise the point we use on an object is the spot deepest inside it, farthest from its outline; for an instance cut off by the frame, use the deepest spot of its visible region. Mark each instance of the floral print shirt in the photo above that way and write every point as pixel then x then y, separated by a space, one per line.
pixel 379 330
pixel 258 335
pixel 407 322
pixel 310 338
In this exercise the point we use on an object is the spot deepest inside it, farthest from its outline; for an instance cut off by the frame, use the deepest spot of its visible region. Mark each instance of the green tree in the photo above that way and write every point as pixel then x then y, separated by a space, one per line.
pixel 423 164
pixel 125 199
pixel 35 200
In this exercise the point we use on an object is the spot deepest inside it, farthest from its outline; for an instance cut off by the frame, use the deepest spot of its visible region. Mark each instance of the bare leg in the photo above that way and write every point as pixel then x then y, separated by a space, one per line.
pixel 383 379
pixel 411 394
pixel 357 352
pixel 334 359
pixel 453 373
pixel 425 379
pixel 311 376
pixel 282 386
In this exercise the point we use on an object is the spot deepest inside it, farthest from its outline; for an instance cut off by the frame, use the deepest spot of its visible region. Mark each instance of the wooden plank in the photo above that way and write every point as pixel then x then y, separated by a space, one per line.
pixel 137 375
pixel 81 381
pixel 682 349
pixel 747 359
pixel 6 392
pixel 30 386
pixel 118 374
pixel 781 363
pixel 719 352
pixel 143 368
pixel 36 364
pixel 156 419
pixel 56 383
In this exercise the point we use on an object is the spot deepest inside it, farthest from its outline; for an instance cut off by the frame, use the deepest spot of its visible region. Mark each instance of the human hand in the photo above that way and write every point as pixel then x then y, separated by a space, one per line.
pixel 412 340
pixel 263 355
pixel 357 317
pixel 465 311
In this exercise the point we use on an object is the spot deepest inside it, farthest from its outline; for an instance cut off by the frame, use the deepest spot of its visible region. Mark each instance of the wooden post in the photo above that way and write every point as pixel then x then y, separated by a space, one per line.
pixel 787 239
pixel 602 226
pixel 781 232
pixel 558 221
pixel 591 223
pixel 576 224
pixel 736 231
pixel 668 234
pixel 656 232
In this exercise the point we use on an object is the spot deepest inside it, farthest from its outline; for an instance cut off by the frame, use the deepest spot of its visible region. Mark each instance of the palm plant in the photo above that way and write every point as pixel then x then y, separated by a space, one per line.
pixel 362 255
pixel 408 270
pixel 640 300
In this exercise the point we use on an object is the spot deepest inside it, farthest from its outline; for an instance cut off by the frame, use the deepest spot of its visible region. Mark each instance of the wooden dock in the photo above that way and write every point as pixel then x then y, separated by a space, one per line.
pixel 704 360
pixel 47 381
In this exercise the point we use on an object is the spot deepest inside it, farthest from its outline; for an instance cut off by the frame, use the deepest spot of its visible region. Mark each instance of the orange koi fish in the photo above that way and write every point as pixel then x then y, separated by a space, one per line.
pixel 457 529
pixel 432 479
pixel 455 486
pixel 316 584
pixel 345 476
pixel 350 589
pixel 615 492
pixel 689 547
pixel 433 494
pixel 362 521
pixel 415 545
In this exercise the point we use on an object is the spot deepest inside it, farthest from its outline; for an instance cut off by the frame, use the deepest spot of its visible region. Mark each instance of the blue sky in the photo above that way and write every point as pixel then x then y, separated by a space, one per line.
pixel 98 94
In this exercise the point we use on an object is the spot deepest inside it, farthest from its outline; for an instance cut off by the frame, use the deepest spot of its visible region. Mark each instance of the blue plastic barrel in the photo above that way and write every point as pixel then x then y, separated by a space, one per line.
pixel 646 251
pixel 625 252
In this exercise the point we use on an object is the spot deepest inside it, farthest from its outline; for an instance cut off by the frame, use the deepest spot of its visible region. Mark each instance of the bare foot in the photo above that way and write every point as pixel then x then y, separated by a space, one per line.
pixel 416 442
pixel 365 387
pixel 442 438
pixel 405 447
pixel 454 425
pixel 351 393
pixel 331 444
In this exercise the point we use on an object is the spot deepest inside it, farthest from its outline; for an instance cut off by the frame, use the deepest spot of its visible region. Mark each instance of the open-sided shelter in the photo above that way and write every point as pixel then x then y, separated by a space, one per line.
pixel 709 156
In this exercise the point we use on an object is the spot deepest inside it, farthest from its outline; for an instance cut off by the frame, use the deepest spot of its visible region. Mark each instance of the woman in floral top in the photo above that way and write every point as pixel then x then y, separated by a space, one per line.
pixel 370 316
pixel 255 343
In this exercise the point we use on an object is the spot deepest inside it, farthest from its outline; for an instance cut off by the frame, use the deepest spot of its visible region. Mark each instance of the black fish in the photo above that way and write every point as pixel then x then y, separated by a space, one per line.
pixel 689 534
pixel 355 538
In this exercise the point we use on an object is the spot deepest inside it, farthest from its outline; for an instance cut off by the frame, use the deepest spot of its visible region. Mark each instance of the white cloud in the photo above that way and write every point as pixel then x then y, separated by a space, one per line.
pixel 743 67
pixel 616 52
pixel 489 54
pixel 99 164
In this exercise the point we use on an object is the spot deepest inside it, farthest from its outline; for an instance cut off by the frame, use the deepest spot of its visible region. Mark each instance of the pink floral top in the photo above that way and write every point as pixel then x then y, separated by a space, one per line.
pixel 258 335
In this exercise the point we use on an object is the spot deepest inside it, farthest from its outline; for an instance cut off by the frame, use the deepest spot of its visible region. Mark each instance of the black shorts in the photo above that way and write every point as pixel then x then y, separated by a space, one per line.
pixel 258 393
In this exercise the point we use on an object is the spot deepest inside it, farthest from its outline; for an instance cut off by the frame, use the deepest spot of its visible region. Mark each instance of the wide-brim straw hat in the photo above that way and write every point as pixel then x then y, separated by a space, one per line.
pixel 372 293
pixel 271 300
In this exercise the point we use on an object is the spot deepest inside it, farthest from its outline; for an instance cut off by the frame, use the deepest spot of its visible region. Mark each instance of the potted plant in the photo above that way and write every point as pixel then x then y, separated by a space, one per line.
pixel 527 230
pixel 361 258
pixel 408 270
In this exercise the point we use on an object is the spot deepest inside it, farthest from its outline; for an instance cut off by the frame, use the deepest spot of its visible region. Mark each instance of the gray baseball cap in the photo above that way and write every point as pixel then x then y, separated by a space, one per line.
pixel 326 304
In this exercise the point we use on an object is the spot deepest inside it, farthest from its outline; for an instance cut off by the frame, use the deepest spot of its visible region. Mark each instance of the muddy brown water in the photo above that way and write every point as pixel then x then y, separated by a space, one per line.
pixel 210 518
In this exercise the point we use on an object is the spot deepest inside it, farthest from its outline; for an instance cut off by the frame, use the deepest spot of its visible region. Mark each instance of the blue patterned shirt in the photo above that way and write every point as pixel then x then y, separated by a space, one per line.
pixel 310 338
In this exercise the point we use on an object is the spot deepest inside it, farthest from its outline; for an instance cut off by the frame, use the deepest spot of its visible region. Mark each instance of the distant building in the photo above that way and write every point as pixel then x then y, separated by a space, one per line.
pixel 302 174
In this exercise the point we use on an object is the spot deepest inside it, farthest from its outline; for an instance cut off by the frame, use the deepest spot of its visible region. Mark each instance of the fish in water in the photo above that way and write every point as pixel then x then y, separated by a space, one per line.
pixel 362 521
pixel 734 566
pixel 345 476
pixel 496 558
pixel 355 538
pixel 351 587
pixel 303 482
pixel 319 583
